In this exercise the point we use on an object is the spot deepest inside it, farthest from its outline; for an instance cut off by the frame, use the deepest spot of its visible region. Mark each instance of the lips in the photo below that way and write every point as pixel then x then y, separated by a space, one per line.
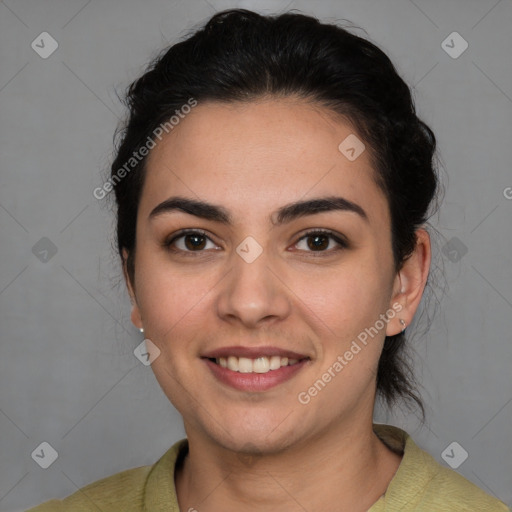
pixel 254 368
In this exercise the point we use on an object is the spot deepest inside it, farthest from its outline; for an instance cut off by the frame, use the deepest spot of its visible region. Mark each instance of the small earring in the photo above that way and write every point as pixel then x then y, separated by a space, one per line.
pixel 141 329
pixel 403 324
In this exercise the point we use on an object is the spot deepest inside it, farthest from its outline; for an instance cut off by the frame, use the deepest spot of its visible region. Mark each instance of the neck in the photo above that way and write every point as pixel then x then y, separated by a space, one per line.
pixel 346 469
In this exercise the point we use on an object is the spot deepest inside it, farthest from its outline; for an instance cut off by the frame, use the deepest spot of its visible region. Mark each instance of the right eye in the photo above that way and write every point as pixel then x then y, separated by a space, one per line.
pixel 188 241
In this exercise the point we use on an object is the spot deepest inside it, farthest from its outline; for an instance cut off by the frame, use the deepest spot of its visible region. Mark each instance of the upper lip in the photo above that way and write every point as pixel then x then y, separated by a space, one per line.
pixel 253 352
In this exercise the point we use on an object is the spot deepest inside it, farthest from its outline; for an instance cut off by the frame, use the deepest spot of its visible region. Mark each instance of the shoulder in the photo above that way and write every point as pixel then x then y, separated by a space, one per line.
pixel 457 492
pixel 448 490
pixel 423 485
pixel 124 491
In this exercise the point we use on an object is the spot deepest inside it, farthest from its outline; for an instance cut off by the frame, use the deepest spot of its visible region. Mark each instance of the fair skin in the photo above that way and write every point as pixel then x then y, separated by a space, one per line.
pixel 261 450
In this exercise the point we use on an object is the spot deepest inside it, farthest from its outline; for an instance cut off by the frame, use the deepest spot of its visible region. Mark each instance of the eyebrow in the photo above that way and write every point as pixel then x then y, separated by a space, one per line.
pixel 283 215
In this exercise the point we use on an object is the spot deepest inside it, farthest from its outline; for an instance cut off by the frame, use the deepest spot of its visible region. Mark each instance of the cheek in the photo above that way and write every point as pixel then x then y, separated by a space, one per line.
pixel 173 299
pixel 347 298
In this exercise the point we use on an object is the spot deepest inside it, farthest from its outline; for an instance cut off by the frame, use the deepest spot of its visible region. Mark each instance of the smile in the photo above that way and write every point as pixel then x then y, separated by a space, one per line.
pixel 261 364
pixel 254 369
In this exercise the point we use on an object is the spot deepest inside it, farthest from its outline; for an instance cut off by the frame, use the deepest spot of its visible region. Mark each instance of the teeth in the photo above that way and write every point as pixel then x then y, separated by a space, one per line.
pixel 275 363
pixel 233 363
pixel 259 365
pixel 244 365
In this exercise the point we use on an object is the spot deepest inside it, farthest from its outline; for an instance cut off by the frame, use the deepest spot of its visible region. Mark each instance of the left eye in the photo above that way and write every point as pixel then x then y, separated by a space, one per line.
pixel 319 241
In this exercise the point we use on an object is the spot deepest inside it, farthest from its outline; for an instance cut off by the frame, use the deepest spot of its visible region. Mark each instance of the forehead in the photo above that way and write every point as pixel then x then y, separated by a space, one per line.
pixel 259 155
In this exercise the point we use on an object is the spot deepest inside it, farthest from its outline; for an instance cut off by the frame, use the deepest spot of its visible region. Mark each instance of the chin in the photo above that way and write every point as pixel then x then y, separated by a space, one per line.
pixel 254 436
pixel 253 443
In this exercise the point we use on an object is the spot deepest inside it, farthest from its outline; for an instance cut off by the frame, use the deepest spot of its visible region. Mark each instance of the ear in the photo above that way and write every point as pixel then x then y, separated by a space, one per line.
pixel 135 314
pixel 410 282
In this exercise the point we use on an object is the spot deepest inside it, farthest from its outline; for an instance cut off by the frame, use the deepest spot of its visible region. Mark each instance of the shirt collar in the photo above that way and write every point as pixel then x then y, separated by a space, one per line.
pixel 415 470
pixel 160 490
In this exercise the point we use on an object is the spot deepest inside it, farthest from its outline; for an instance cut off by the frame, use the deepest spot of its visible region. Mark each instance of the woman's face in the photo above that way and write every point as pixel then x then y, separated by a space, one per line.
pixel 257 288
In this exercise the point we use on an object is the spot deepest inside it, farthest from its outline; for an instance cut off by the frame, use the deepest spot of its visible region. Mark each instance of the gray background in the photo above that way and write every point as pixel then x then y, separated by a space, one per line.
pixel 68 375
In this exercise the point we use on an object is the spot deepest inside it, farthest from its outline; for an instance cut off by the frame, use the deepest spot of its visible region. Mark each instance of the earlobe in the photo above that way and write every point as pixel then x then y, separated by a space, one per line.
pixel 135 317
pixel 410 283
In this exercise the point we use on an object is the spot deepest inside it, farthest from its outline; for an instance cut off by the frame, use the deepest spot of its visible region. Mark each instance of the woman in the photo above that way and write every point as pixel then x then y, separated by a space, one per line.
pixel 273 184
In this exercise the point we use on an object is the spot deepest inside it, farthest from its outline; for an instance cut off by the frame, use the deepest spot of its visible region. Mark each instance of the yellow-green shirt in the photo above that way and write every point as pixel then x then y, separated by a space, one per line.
pixel 420 484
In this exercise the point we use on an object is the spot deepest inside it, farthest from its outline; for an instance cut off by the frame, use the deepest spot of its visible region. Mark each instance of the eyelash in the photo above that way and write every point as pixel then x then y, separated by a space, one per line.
pixel 342 243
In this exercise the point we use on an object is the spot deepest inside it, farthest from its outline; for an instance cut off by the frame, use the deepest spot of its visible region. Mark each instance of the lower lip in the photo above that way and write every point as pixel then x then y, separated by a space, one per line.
pixel 254 381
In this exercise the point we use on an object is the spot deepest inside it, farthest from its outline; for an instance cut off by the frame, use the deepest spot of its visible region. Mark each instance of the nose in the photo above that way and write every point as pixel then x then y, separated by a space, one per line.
pixel 253 293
